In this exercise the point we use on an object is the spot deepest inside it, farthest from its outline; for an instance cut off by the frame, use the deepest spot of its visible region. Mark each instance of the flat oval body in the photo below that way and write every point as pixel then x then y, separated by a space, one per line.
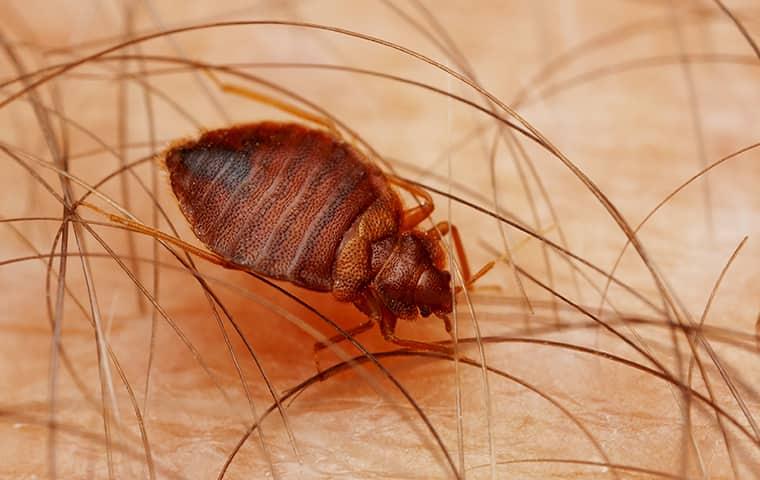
pixel 276 198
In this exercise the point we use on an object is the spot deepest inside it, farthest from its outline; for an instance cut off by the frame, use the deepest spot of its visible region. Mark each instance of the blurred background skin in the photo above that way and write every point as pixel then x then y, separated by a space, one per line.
pixel 660 90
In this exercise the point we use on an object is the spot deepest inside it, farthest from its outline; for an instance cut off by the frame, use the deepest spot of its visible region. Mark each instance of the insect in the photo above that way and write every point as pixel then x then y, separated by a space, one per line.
pixel 299 204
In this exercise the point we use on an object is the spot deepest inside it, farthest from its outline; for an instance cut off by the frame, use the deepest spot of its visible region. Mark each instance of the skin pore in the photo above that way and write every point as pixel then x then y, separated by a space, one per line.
pixel 656 381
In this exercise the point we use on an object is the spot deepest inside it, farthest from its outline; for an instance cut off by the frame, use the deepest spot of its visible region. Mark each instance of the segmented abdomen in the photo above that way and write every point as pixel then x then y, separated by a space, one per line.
pixel 276 198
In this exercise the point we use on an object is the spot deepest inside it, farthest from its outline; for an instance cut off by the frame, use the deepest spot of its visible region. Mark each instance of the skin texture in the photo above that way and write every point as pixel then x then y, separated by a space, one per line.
pixel 624 109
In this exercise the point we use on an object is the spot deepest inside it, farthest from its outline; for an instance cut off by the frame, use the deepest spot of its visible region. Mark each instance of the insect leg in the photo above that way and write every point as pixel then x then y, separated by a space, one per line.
pixel 488 266
pixel 138 227
pixel 361 328
pixel 273 102
pixel 335 339
pixel 441 229
pixel 388 327
pixel 483 270
pixel 415 215
pixel 387 322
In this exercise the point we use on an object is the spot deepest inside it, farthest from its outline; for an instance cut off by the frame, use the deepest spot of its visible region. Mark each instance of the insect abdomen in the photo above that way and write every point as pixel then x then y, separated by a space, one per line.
pixel 275 198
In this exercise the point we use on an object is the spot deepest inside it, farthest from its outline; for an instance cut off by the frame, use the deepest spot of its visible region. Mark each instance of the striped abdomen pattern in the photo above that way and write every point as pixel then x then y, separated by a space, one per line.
pixel 276 198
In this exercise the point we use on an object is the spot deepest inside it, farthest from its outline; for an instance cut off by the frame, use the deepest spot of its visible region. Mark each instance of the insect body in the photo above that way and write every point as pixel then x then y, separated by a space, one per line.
pixel 299 204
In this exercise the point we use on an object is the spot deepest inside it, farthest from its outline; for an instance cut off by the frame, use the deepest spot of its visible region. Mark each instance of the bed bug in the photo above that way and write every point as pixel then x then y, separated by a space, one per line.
pixel 299 204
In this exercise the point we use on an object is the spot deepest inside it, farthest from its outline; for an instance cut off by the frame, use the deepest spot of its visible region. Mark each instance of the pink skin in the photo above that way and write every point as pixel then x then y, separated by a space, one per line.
pixel 628 133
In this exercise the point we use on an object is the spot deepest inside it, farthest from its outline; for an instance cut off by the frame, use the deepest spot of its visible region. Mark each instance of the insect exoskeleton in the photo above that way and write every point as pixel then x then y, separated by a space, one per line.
pixel 300 204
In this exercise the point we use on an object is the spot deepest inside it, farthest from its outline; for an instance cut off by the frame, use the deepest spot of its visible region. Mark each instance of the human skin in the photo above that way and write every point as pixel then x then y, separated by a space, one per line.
pixel 596 393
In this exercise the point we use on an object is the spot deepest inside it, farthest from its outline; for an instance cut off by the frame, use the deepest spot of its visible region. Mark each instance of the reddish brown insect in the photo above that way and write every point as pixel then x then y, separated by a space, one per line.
pixel 299 204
